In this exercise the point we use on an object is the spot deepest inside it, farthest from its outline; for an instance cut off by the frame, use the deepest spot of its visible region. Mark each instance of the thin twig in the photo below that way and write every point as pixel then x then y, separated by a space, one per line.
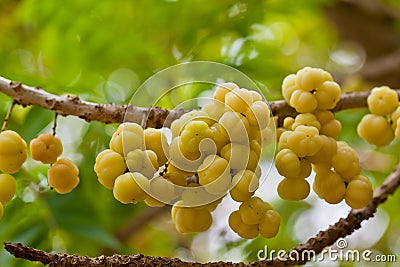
pixel 8 115
pixel 55 123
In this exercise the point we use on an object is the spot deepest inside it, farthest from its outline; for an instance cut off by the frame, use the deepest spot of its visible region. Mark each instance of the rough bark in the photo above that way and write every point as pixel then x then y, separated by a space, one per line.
pixel 155 117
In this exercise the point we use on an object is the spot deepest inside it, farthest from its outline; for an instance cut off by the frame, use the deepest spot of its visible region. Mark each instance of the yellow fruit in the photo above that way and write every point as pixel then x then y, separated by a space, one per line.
pixel 311 78
pixel 293 189
pixel 346 162
pixel 222 89
pixel 358 194
pixel 245 181
pixel 109 165
pixel 258 114
pixel 156 141
pixel 46 148
pixel 131 188
pixel 328 95
pixel 238 156
pixel 191 220
pixel 248 231
pixel 143 161
pixel 214 174
pixel 12 152
pixel 305 141
pixel 331 128
pixel 287 163
pixel 288 87
pixel 193 133
pixel 236 126
pixel 306 119
pixel 215 110
pixel 161 192
pixel 221 137
pixel 326 152
pixel 238 100
pixel 62 176
pixel 128 137
pixel 1 210
pixel 269 224
pixel 303 101
pixel 252 210
pixel 382 100
pixel 329 186
pixel 8 187
pixel 375 129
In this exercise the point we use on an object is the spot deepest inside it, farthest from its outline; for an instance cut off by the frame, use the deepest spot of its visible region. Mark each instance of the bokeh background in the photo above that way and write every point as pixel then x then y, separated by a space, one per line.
pixel 103 50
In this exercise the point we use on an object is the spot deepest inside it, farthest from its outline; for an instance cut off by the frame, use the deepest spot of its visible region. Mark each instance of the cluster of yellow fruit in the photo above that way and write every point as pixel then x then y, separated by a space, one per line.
pixel 130 166
pixel 381 126
pixel 62 176
pixel 12 156
pixel 214 151
pixel 254 217
pixel 308 142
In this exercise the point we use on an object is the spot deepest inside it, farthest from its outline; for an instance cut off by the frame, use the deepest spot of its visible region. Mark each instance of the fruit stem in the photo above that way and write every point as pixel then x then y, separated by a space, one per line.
pixel 8 115
pixel 55 123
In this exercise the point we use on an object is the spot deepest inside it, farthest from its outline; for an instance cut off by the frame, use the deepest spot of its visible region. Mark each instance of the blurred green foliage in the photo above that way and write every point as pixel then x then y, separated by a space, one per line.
pixel 102 51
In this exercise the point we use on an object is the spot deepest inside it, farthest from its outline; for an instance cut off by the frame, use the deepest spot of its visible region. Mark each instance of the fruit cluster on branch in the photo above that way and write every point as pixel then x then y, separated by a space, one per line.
pixel 141 165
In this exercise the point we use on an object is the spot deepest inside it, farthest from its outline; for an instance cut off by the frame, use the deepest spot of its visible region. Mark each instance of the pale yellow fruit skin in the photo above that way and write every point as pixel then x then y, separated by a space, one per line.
pixel 8 187
pixel 329 186
pixel 239 100
pixel 289 86
pixel 222 89
pixel 131 188
pixel 46 148
pixel 293 189
pixel 269 224
pixel 287 163
pixel 248 231
pixel 375 129
pixel 143 161
pixel 236 126
pixel 215 110
pixel 237 155
pixel 252 210
pixel 245 181
pixel 161 192
pixel 109 165
pixel 62 176
pixel 382 100
pixel 129 136
pixel 358 194
pixel 12 152
pixel 258 114
pixel 215 175
pixel 309 78
pixel 156 141
pixel 191 220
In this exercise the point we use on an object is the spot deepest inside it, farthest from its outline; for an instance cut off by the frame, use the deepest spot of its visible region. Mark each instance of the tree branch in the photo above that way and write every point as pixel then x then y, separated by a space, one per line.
pixel 156 117
pixel 342 228
pixel 73 105
pixel 109 113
